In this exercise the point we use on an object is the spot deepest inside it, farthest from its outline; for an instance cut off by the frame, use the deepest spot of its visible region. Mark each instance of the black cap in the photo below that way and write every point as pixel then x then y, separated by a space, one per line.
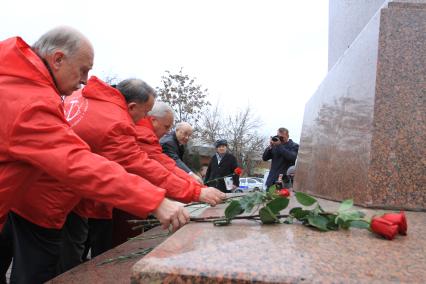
pixel 221 142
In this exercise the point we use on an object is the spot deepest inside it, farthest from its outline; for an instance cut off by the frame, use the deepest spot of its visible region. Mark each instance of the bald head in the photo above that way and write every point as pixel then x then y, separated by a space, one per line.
pixel 183 132
pixel 69 56
pixel 162 118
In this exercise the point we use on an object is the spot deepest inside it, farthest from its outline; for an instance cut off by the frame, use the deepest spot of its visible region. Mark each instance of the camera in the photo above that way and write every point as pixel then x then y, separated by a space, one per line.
pixel 276 138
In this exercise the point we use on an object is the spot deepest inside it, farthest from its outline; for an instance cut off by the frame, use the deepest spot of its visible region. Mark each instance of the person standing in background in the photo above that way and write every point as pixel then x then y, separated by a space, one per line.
pixel 282 152
pixel 222 164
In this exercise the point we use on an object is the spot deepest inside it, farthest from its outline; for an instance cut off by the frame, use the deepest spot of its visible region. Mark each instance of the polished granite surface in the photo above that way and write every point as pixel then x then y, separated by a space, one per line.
pixel 247 252
pixel 364 129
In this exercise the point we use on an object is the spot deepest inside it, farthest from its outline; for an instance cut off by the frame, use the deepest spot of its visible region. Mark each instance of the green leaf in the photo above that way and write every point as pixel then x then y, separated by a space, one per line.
pixel 278 204
pixel 299 213
pixel 350 215
pixel 305 199
pixel 331 225
pixel 318 221
pixel 247 204
pixel 258 197
pixel 346 204
pixel 233 209
pixel 272 189
pixel 249 201
pixel 360 224
pixel 266 216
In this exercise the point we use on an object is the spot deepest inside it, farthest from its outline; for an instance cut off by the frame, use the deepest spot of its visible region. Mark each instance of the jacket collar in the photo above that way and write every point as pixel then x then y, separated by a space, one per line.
pixel 146 130
pixel 19 60
pixel 146 122
pixel 99 90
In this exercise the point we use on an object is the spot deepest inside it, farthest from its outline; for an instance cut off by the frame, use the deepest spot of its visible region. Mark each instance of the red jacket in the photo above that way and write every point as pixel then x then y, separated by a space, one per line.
pixel 105 124
pixel 36 138
pixel 149 142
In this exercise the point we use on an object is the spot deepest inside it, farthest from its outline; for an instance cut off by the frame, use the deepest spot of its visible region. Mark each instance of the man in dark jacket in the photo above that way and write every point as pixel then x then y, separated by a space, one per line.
pixel 222 164
pixel 174 146
pixel 283 152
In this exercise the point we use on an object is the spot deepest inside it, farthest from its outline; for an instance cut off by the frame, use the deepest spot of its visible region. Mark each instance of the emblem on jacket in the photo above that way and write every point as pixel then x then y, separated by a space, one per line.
pixel 75 107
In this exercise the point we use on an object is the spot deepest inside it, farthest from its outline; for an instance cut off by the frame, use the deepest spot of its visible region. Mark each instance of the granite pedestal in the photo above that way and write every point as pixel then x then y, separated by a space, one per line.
pixel 364 130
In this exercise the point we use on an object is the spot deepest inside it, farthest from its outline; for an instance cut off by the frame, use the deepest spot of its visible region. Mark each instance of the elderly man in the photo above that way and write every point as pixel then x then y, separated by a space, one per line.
pixel 149 130
pixel 104 118
pixel 36 139
pixel 107 127
pixel 174 146
pixel 283 152
pixel 152 128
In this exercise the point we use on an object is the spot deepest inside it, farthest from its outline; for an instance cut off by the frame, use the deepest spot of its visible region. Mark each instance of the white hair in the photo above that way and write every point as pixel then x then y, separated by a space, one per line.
pixel 160 110
pixel 183 124
pixel 64 38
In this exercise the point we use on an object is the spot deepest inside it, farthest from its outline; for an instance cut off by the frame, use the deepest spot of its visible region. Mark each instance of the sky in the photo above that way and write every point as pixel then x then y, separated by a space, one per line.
pixel 270 55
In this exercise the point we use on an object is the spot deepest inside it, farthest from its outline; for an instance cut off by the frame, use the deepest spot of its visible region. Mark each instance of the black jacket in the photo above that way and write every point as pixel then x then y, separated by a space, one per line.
pixel 283 156
pixel 175 151
pixel 226 167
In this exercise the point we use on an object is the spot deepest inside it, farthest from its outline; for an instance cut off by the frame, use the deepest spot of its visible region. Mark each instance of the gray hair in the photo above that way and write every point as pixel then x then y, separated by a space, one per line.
pixel 136 90
pixel 160 110
pixel 182 124
pixel 63 38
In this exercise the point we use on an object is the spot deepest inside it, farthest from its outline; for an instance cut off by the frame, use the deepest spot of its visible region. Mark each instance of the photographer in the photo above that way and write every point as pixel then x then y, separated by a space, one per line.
pixel 283 152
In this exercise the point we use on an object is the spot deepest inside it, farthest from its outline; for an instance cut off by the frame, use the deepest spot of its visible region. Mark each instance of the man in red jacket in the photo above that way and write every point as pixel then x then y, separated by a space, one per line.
pixel 104 117
pixel 149 130
pixel 36 138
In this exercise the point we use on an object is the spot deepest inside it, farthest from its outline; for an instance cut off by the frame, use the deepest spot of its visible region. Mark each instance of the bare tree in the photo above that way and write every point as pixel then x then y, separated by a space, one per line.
pixel 185 96
pixel 111 79
pixel 211 126
pixel 241 132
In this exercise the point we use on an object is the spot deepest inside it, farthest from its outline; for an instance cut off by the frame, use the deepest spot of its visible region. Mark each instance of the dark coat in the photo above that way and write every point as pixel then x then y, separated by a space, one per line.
pixel 283 156
pixel 175 151
pixel 226 167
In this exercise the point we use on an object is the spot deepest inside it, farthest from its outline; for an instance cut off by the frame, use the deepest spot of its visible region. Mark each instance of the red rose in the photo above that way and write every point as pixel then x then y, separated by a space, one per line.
pixel 238 171
pixel 397 219
pixel 284 192
pixel 383 227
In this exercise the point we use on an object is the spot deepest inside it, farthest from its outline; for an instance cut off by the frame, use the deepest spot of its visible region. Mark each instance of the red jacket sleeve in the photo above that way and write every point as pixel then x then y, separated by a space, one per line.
pixel 41 136
pixel 120 145
pixel 170 164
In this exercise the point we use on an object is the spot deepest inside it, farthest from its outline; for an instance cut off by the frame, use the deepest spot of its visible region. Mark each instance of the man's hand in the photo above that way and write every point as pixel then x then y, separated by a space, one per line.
pixel 170 213
pixel 211 196
pixel 197 178
pixel 274 143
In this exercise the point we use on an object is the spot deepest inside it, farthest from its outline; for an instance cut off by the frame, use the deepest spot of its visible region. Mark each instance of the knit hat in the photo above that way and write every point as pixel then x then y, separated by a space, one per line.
pixel 221 142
